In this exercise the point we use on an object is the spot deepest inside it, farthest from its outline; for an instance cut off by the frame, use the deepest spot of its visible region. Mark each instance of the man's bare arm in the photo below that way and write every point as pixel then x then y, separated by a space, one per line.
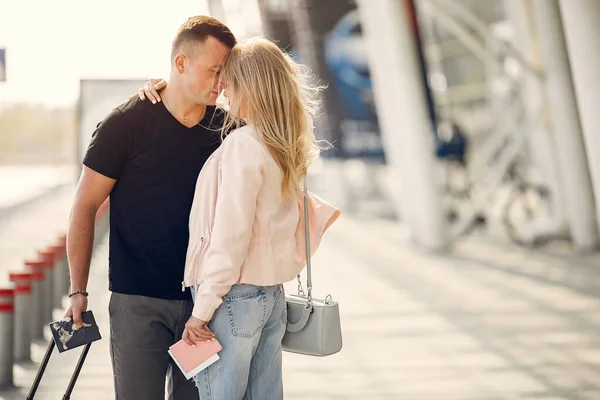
pixel 93 189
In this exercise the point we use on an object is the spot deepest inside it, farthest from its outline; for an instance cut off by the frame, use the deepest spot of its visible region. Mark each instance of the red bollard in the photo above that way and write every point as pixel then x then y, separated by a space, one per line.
pixel 22 321
pixel 7 309
pixel 39 269
pixel 36 324
pixel 50 258
pixel 62 241
pixel 60 271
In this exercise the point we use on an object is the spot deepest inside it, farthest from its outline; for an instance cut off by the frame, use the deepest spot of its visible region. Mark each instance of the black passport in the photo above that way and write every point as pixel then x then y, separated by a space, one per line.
pixel 66 338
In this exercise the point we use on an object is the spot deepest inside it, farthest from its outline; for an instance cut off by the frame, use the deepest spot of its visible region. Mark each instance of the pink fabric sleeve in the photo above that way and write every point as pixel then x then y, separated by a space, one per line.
pixel 241 178
pixel 321 216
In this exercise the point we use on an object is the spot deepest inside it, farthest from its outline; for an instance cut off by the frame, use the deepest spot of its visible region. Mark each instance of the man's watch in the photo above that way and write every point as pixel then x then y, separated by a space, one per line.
pixel 83 292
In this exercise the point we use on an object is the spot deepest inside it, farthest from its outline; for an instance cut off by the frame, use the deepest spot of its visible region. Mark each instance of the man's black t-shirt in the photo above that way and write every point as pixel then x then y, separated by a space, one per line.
pixel 156 162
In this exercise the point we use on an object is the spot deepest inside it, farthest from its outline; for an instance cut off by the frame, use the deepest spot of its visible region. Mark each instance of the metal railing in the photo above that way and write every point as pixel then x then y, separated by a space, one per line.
pixel 27 304
pixel 500 157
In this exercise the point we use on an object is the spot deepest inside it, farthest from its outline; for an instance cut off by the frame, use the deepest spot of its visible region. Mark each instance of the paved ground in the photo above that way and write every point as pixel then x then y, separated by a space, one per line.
pixel 30 227
pixel 21 183
pixel 488 322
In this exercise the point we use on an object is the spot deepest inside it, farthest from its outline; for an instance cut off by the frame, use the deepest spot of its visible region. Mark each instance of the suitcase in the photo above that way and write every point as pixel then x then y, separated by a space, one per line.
pixel 80 338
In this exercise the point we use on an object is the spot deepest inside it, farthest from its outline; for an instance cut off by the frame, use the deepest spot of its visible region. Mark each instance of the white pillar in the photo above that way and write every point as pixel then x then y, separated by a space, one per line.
pixel 540 138
pixel 216 9
pixel 403 117
pixel 581 19
pixel 571 157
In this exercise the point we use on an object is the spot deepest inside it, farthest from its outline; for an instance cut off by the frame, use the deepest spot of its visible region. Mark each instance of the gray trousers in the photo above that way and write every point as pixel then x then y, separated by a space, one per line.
pixel 141 331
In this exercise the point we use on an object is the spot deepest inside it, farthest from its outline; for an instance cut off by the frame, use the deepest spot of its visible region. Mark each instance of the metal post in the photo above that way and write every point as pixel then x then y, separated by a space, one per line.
pixel 540 138
pixel 62 241
pixel 581 19
pixel 59 273
pixel 40 296
pixel 48 257
pixel 36 329
pixel 571 157
pixel 22 322
pixel 7 309
pixel 407 130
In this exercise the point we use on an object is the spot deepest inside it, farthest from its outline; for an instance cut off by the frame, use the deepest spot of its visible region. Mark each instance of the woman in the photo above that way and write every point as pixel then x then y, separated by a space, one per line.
pixel 244 222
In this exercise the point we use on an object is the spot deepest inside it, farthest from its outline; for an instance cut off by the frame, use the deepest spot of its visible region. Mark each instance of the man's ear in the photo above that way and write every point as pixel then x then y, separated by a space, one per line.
pixel 180 61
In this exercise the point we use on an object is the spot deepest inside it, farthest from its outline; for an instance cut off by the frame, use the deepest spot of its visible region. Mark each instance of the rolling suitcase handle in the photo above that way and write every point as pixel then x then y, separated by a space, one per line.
pixel 44 364
pixel 41 370
pixel 66 337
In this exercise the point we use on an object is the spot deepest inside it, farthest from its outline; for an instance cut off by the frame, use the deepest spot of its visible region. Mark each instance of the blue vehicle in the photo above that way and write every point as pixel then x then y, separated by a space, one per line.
pixel 346 57
pixel 347 60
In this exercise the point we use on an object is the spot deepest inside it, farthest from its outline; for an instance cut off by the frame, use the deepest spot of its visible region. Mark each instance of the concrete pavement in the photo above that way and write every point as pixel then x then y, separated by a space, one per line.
pixel 490 321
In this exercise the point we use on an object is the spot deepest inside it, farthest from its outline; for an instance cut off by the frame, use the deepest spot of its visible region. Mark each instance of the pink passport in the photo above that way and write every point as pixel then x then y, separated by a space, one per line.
pixel 192 360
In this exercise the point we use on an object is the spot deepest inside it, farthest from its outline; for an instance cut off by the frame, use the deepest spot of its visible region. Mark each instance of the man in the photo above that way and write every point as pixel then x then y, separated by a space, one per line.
pixel 147 158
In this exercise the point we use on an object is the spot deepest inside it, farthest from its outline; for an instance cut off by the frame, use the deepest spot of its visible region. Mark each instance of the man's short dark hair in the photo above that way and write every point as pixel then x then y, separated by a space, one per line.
pixel 197 29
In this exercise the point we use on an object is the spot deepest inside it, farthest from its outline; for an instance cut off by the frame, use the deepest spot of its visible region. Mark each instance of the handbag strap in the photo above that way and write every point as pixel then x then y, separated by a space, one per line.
pixel 308 262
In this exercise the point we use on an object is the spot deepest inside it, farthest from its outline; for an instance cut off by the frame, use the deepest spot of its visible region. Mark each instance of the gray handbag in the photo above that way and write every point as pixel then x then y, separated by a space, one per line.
pixel 313 326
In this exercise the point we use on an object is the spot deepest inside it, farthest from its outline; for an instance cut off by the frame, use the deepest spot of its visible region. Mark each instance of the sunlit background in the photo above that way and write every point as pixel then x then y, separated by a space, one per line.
pixel 466 163
pixel 50 46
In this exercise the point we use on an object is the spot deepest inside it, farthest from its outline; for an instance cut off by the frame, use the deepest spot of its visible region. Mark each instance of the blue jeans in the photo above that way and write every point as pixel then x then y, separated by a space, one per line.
pixel 249 325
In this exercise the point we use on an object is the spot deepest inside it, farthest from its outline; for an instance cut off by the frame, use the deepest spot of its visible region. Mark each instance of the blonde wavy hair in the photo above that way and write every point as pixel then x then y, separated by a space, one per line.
pixel 281 105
